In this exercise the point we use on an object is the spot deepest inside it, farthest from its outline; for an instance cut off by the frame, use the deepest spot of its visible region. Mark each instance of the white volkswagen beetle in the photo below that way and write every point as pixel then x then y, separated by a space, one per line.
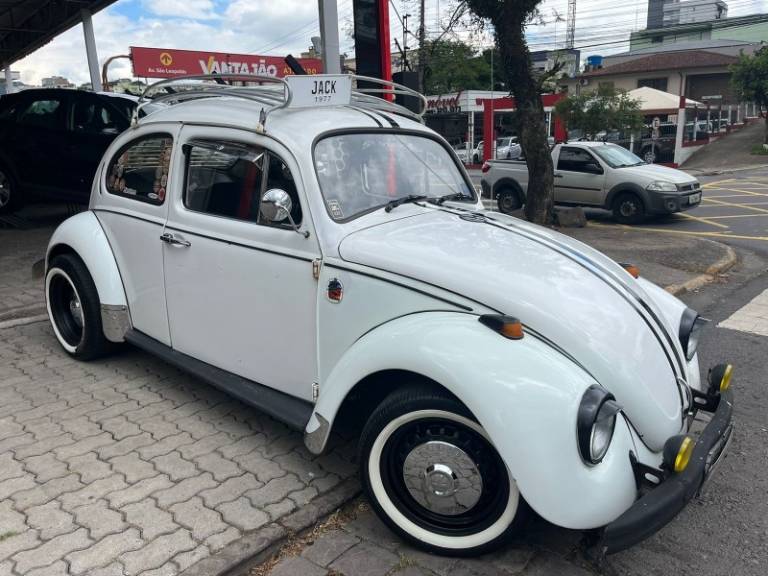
pixel 317 252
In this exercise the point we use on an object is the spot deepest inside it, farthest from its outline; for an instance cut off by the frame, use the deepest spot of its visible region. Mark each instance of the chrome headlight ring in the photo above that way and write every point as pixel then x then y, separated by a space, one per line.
pixel 595 423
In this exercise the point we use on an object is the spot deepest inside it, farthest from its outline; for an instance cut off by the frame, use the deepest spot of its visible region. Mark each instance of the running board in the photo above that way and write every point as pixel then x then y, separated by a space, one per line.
pixel 292 411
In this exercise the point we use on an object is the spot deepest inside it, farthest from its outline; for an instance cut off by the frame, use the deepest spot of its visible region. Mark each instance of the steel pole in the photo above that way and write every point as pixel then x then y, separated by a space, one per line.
pixel 329 34
pixel 9 89
pixel 90 51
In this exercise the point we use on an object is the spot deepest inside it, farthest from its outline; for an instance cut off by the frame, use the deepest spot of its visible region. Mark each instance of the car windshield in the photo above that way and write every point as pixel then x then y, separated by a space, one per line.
pixel 616 156
pixel 360 172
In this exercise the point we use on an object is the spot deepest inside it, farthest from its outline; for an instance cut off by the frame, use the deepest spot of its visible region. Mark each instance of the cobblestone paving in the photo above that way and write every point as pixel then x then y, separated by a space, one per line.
pixel 126 466
pixel 21 292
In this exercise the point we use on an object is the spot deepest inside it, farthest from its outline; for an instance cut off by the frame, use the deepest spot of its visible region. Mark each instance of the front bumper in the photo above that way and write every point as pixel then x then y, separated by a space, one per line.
pixel 660 505
pixel 665 203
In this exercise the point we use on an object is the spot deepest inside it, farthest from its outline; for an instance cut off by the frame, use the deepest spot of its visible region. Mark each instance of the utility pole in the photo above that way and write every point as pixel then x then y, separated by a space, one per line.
pixel 422 64
pixel 405 41
pixel 329 33
pixel 571 30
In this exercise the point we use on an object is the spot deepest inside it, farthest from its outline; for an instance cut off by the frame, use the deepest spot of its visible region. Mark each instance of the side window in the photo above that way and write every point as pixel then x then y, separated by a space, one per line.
pixel 228 179
pixel 140 169
pixel 91 117
pixel 42 113
pixel 574 160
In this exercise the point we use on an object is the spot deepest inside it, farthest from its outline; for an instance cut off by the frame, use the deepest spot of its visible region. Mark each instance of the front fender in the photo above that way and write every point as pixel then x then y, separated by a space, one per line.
pixel 84 235
pixel 524 393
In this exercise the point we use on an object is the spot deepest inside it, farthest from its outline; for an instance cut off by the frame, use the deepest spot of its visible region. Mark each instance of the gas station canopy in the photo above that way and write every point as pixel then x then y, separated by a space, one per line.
pixel 26 25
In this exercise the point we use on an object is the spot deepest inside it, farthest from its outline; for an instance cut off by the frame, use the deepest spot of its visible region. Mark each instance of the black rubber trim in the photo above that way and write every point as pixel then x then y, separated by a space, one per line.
pixel 290 410
pixel 390 120
pixel 658 507
pixel 110 211
pixel 578 188
pixel 230 242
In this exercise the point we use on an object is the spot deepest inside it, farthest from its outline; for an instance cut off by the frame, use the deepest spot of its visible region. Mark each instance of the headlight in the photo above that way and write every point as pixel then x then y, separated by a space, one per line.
pixel 661 186
pixel 691 325
pixel 595 423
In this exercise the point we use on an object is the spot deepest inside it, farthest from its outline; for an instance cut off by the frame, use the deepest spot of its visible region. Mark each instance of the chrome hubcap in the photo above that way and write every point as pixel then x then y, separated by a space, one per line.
pixel 76 310
pixel 442 478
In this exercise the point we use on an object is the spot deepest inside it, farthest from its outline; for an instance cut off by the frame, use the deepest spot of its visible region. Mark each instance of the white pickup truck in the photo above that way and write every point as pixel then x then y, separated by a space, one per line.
pixel 599 175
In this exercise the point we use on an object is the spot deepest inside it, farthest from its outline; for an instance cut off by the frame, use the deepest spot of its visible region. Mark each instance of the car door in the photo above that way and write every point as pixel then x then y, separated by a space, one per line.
pixel 241 291
pixel 132 209
pixel 37 140
pixel 93 124
pixel 579 177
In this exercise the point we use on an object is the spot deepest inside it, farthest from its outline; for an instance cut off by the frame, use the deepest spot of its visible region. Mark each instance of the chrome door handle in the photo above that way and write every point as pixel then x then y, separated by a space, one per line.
pixel 169 238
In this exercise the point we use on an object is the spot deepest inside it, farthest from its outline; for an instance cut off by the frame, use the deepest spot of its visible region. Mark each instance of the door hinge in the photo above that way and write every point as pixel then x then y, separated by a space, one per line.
pixel 316 263
pixel 315 391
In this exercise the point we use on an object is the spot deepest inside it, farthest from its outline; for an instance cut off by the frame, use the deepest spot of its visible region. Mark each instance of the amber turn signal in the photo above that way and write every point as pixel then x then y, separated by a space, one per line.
pixel 633 270
pixel 507 326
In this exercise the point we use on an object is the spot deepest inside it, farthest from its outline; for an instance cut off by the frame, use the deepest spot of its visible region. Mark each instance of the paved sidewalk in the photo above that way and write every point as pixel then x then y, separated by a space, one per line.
pixel 729 152
pixel 21 290
pixel 128 467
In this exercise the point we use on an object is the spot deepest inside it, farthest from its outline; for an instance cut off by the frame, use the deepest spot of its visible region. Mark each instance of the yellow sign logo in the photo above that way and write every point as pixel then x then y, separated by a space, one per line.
pixel 166 59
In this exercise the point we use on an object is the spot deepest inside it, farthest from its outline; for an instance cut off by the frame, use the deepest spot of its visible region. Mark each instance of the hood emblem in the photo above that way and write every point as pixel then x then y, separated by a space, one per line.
pixel 473 217
pixel 335 290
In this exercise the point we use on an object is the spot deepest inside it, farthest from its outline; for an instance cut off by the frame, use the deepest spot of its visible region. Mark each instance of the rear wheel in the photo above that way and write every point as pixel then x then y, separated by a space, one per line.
pixel 628 208
pixel 74 308
pixel 434 477
pixel 508 200
pixel 10 199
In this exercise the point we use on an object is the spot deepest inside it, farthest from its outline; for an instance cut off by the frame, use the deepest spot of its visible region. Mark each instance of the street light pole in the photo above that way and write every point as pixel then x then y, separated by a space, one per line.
pixel 329 33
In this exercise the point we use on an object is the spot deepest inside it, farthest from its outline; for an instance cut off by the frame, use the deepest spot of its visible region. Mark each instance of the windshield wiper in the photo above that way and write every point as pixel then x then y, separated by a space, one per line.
pixel 442 199
pixel 389 206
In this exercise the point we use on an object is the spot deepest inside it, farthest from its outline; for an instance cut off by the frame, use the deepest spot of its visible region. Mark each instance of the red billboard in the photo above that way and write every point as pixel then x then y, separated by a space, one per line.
pixel 168 62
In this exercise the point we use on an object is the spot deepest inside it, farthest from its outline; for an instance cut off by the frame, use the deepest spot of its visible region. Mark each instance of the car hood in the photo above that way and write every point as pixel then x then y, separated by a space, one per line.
pixel 651 172
pixel 564 292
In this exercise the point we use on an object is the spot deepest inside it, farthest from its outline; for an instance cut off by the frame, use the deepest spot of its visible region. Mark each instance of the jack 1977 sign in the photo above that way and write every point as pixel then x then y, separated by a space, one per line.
pixel 167 63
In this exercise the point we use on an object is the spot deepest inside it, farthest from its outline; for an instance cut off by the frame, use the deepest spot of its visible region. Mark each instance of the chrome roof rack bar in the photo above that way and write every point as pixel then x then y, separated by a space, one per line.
pixel 378 97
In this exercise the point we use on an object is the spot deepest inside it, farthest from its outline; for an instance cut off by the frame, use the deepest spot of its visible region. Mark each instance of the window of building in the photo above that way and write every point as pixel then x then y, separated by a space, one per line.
pixel 140 169
pixel 657 83
pixel 229 179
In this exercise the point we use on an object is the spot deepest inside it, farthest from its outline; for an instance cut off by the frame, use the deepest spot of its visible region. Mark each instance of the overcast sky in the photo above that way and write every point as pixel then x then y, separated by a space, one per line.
pixel 279 27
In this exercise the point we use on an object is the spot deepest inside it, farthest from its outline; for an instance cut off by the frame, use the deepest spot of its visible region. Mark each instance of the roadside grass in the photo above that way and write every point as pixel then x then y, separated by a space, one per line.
pixel 5 535
pixel 759 150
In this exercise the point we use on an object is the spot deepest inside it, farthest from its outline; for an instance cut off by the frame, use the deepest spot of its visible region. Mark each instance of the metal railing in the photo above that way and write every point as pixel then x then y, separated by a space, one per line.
pixel 276 95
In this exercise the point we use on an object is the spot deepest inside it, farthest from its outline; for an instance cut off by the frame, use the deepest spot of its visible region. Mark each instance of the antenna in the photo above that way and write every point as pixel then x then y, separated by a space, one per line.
pixel 571 29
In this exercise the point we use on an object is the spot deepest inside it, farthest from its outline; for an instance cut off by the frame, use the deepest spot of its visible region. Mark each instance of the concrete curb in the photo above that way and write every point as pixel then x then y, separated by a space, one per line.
pixel 709 275
pixel 705 172
pixel 260 545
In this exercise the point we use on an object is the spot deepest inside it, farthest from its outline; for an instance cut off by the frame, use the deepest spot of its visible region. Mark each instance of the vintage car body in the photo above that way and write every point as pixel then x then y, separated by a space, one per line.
pixel 407 314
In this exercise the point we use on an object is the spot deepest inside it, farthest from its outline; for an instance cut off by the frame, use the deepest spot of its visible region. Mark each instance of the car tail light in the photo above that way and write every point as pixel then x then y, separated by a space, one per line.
pixel 485 167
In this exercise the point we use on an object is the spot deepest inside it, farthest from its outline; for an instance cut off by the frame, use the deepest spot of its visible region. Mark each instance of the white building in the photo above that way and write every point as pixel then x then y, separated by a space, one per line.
pixel 694 11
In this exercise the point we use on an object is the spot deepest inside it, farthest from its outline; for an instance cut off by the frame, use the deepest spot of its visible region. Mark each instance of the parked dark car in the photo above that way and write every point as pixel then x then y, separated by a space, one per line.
pixel 51 142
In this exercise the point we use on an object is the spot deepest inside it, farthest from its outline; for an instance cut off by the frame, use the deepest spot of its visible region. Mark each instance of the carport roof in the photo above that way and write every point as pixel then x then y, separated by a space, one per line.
pixel 26 25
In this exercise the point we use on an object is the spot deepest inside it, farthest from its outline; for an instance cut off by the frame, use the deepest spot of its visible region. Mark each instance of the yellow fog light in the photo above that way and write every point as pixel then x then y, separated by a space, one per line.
pixel 720 378
pixel 725 381
pixel 677 452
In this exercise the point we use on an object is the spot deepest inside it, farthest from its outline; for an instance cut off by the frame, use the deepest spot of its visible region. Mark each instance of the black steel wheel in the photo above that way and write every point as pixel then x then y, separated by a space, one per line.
pixel 74 308
pixel 434 477
pixel 508 200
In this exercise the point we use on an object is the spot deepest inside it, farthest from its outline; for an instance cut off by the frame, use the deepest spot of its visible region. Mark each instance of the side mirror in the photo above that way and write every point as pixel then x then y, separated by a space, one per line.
pixel 276 205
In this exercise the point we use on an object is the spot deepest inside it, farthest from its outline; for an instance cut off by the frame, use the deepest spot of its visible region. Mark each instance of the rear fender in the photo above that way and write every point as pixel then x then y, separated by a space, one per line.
pixel 83 235
pixel 524 394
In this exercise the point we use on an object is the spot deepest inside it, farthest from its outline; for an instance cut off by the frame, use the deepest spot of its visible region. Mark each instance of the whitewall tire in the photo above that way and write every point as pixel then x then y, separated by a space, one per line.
pixel 435 478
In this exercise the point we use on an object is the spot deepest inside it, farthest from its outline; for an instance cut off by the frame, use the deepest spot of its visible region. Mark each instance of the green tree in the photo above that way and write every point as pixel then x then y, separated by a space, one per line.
pixel 749 77
pixel 509 18
pixel 604 109
pixel 454 66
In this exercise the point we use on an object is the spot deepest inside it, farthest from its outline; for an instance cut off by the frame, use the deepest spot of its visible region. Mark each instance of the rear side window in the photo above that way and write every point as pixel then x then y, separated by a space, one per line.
pixel 140 169
pixel 228 179
pixel 92 117
pixel 42 113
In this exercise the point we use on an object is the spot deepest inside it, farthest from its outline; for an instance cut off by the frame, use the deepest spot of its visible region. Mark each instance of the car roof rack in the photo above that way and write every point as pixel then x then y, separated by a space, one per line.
pixel 275 93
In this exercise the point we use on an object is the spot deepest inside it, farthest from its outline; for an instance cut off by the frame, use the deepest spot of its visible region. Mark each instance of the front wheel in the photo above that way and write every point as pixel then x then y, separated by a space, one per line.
pixel 434 477
pixel 10 199
pixel 628 208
